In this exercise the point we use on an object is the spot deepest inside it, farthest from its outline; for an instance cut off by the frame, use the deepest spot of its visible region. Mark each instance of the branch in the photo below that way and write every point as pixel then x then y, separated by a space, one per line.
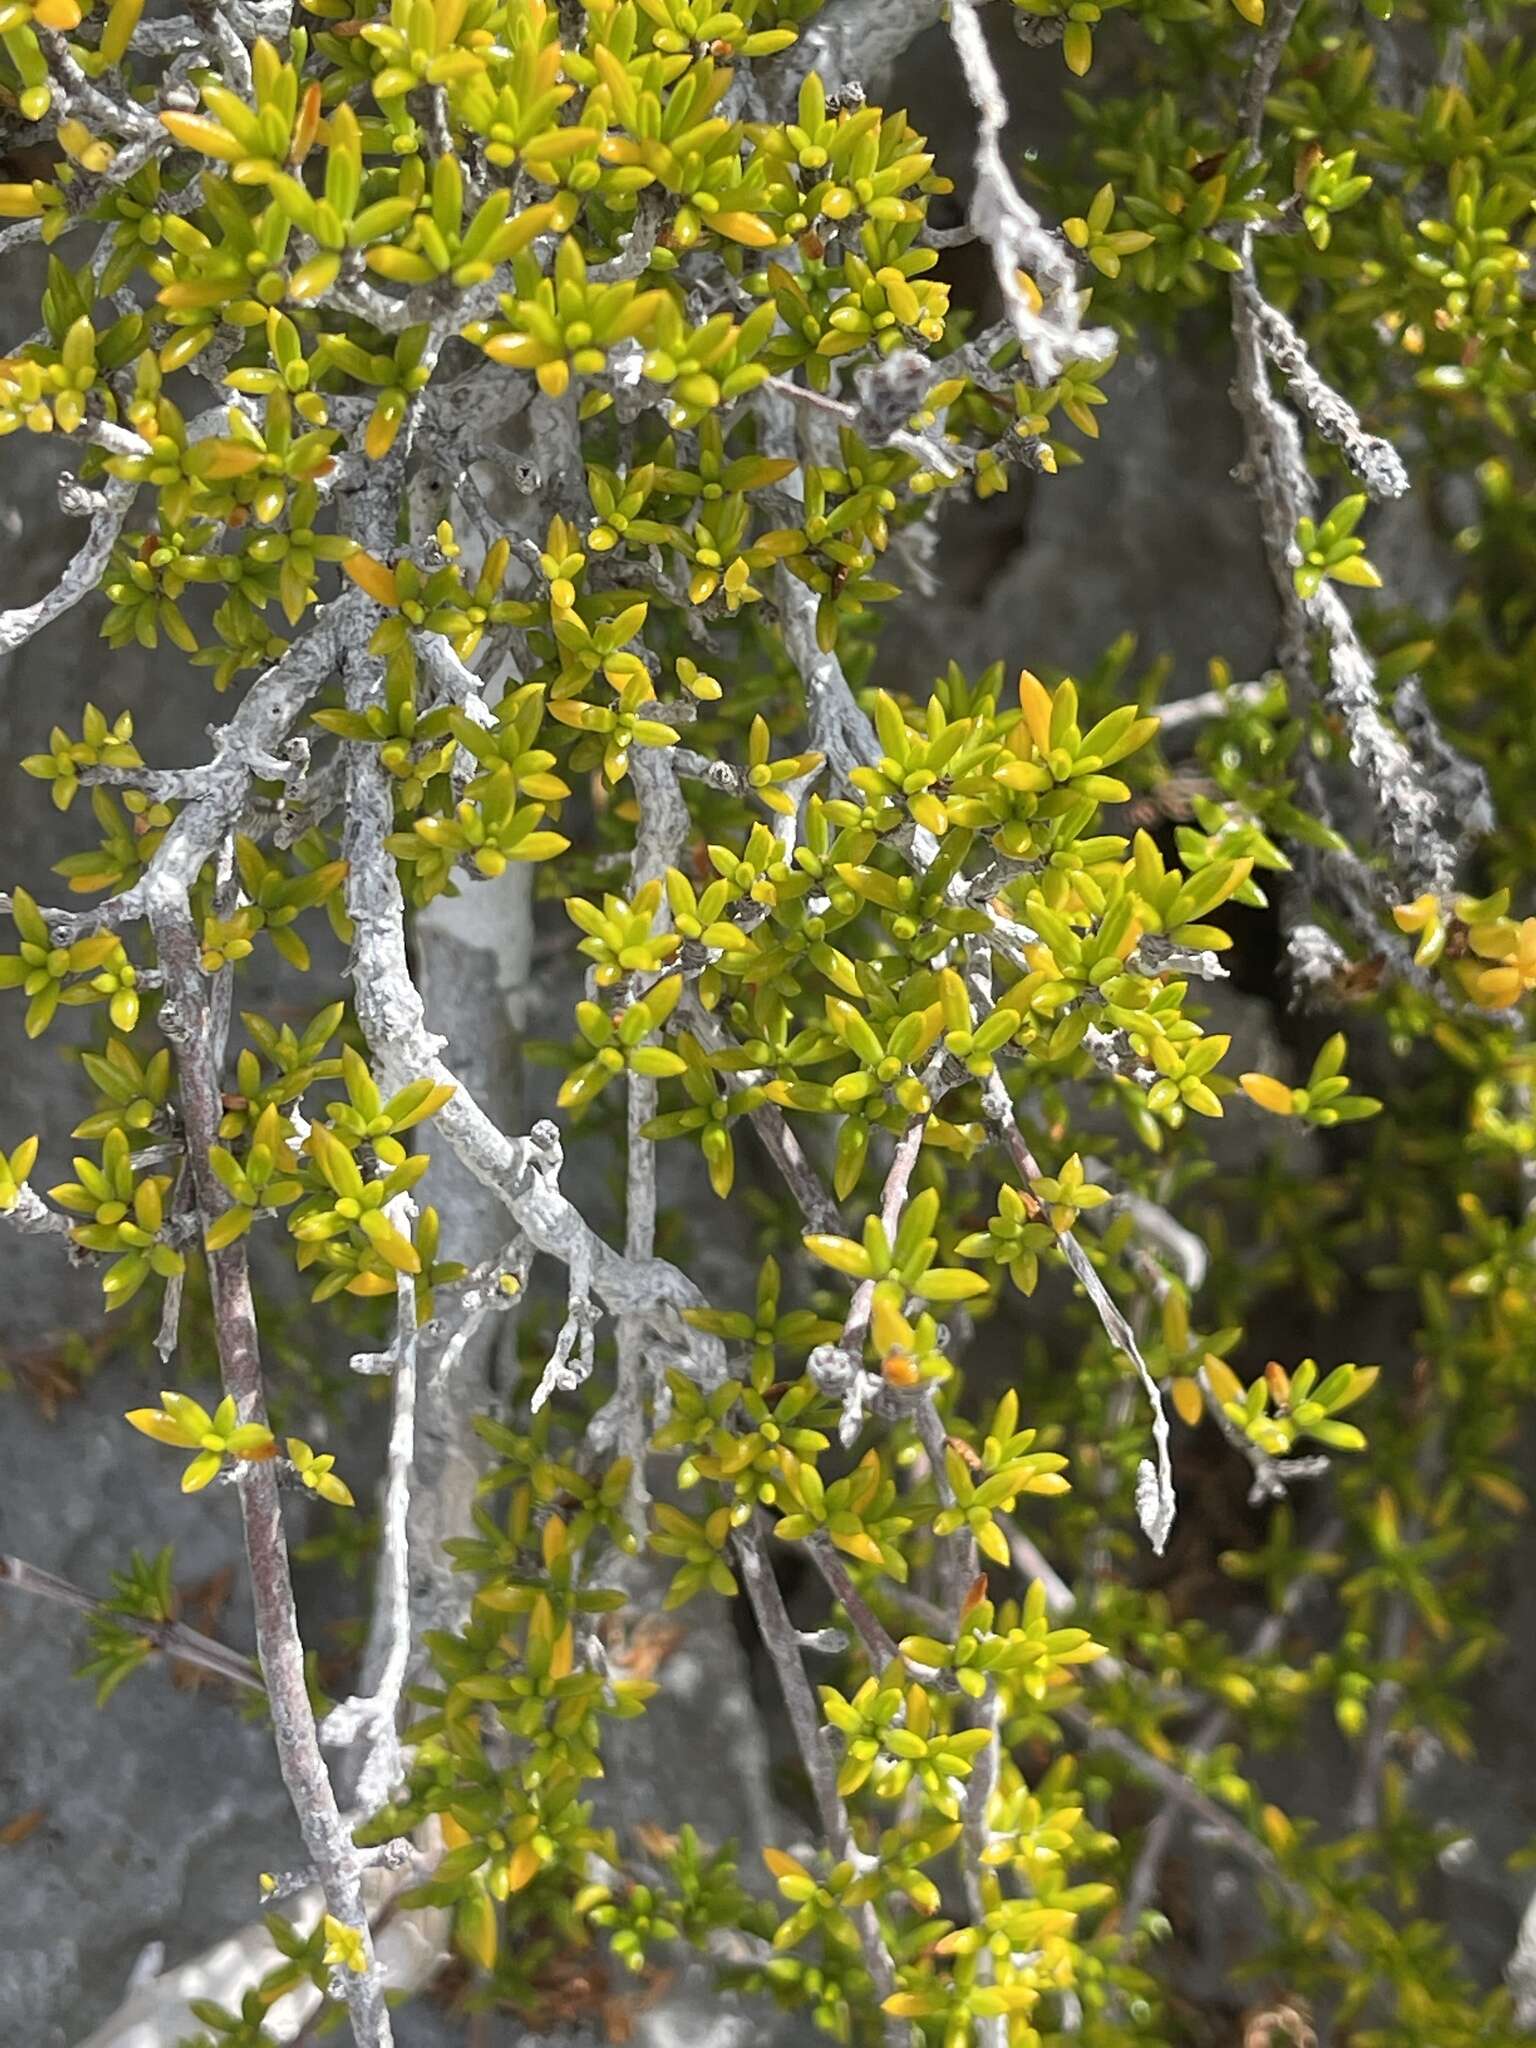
pixel 660 836
pixel 29 1213
pixel 1051 334
pixel 771 1125
pixel 186 1020
pixel 1169 1780
pixel 183 1645
pixel 1206 705
pixel 1158 1839
pixel 639 242
pixel 893 1199
pixel 963 1562
pixel 1155 1500
pixel 782 1645
pixel 879 1645
pixel 912 377
pixel 108 509
pixel 1374 461
pixel 1409 807
pixel 373 1715
pixel 524 1173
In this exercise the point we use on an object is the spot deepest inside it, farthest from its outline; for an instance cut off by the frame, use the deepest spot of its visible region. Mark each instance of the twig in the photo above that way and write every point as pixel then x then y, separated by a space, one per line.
pixel 1155 1500
pixel 108 509
pixel 1169 1780
pixel 779 1141
pixel 1158 1838
pixel 182 1644
pixel 879 1645
pixel 185 1019
pixel 779 1639
pixel 932 454
pixel 1051 334
pixel 893 1199
pixel 31 1215
pixel 659 840
pixel 1271 1476
pixel 373 1714
pixel 1206 705
pixel 1278 24
pixel 962 1562
pixel 640 244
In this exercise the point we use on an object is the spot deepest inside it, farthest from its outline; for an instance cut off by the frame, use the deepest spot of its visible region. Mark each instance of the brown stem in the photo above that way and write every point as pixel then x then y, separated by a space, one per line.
pixel 778 1635
pixel 186 1019
pixel 174 1639
pixel 879 1645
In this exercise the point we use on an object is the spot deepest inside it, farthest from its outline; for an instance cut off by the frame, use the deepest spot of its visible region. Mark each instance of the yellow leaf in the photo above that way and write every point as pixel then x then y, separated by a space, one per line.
pixel 745 227
pixel 226 1228
pixel 232 459
pixel 1035 703
pixel 371 575
pixel 1501 1490
pixel 475 1931
pixel 154 1422
pixel 1187 1402
pixel 1357 570
pixel 200 1471
pixel 1268 1093
pixel 1224 1382
pixel 196 131
pixel 1077 47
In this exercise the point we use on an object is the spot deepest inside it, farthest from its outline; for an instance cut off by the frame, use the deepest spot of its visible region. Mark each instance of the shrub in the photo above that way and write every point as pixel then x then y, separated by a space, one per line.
pixel 526 414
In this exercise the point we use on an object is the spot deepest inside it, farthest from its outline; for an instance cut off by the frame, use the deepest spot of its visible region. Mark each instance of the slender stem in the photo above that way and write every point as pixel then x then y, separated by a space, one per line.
pixel 1158 1839
pixel 962 1564
pixel 879 1645
pixel 1168 1779
pixel 374 1714
pixel 772 1126
pixel 1155 1502
pixel 108 512
pixel 893 1199
pixel 186 1019
pixel 175 1639
pixel 778 1634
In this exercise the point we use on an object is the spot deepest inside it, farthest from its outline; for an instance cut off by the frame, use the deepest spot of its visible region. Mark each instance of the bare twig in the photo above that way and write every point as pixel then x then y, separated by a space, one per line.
pixel 1155 1500
pixel 1051 332
pixel 372 1715
pixel 108 509
pixel 779 1639
pixel 879 1646
pixel 185 1018
pixel 175 1639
